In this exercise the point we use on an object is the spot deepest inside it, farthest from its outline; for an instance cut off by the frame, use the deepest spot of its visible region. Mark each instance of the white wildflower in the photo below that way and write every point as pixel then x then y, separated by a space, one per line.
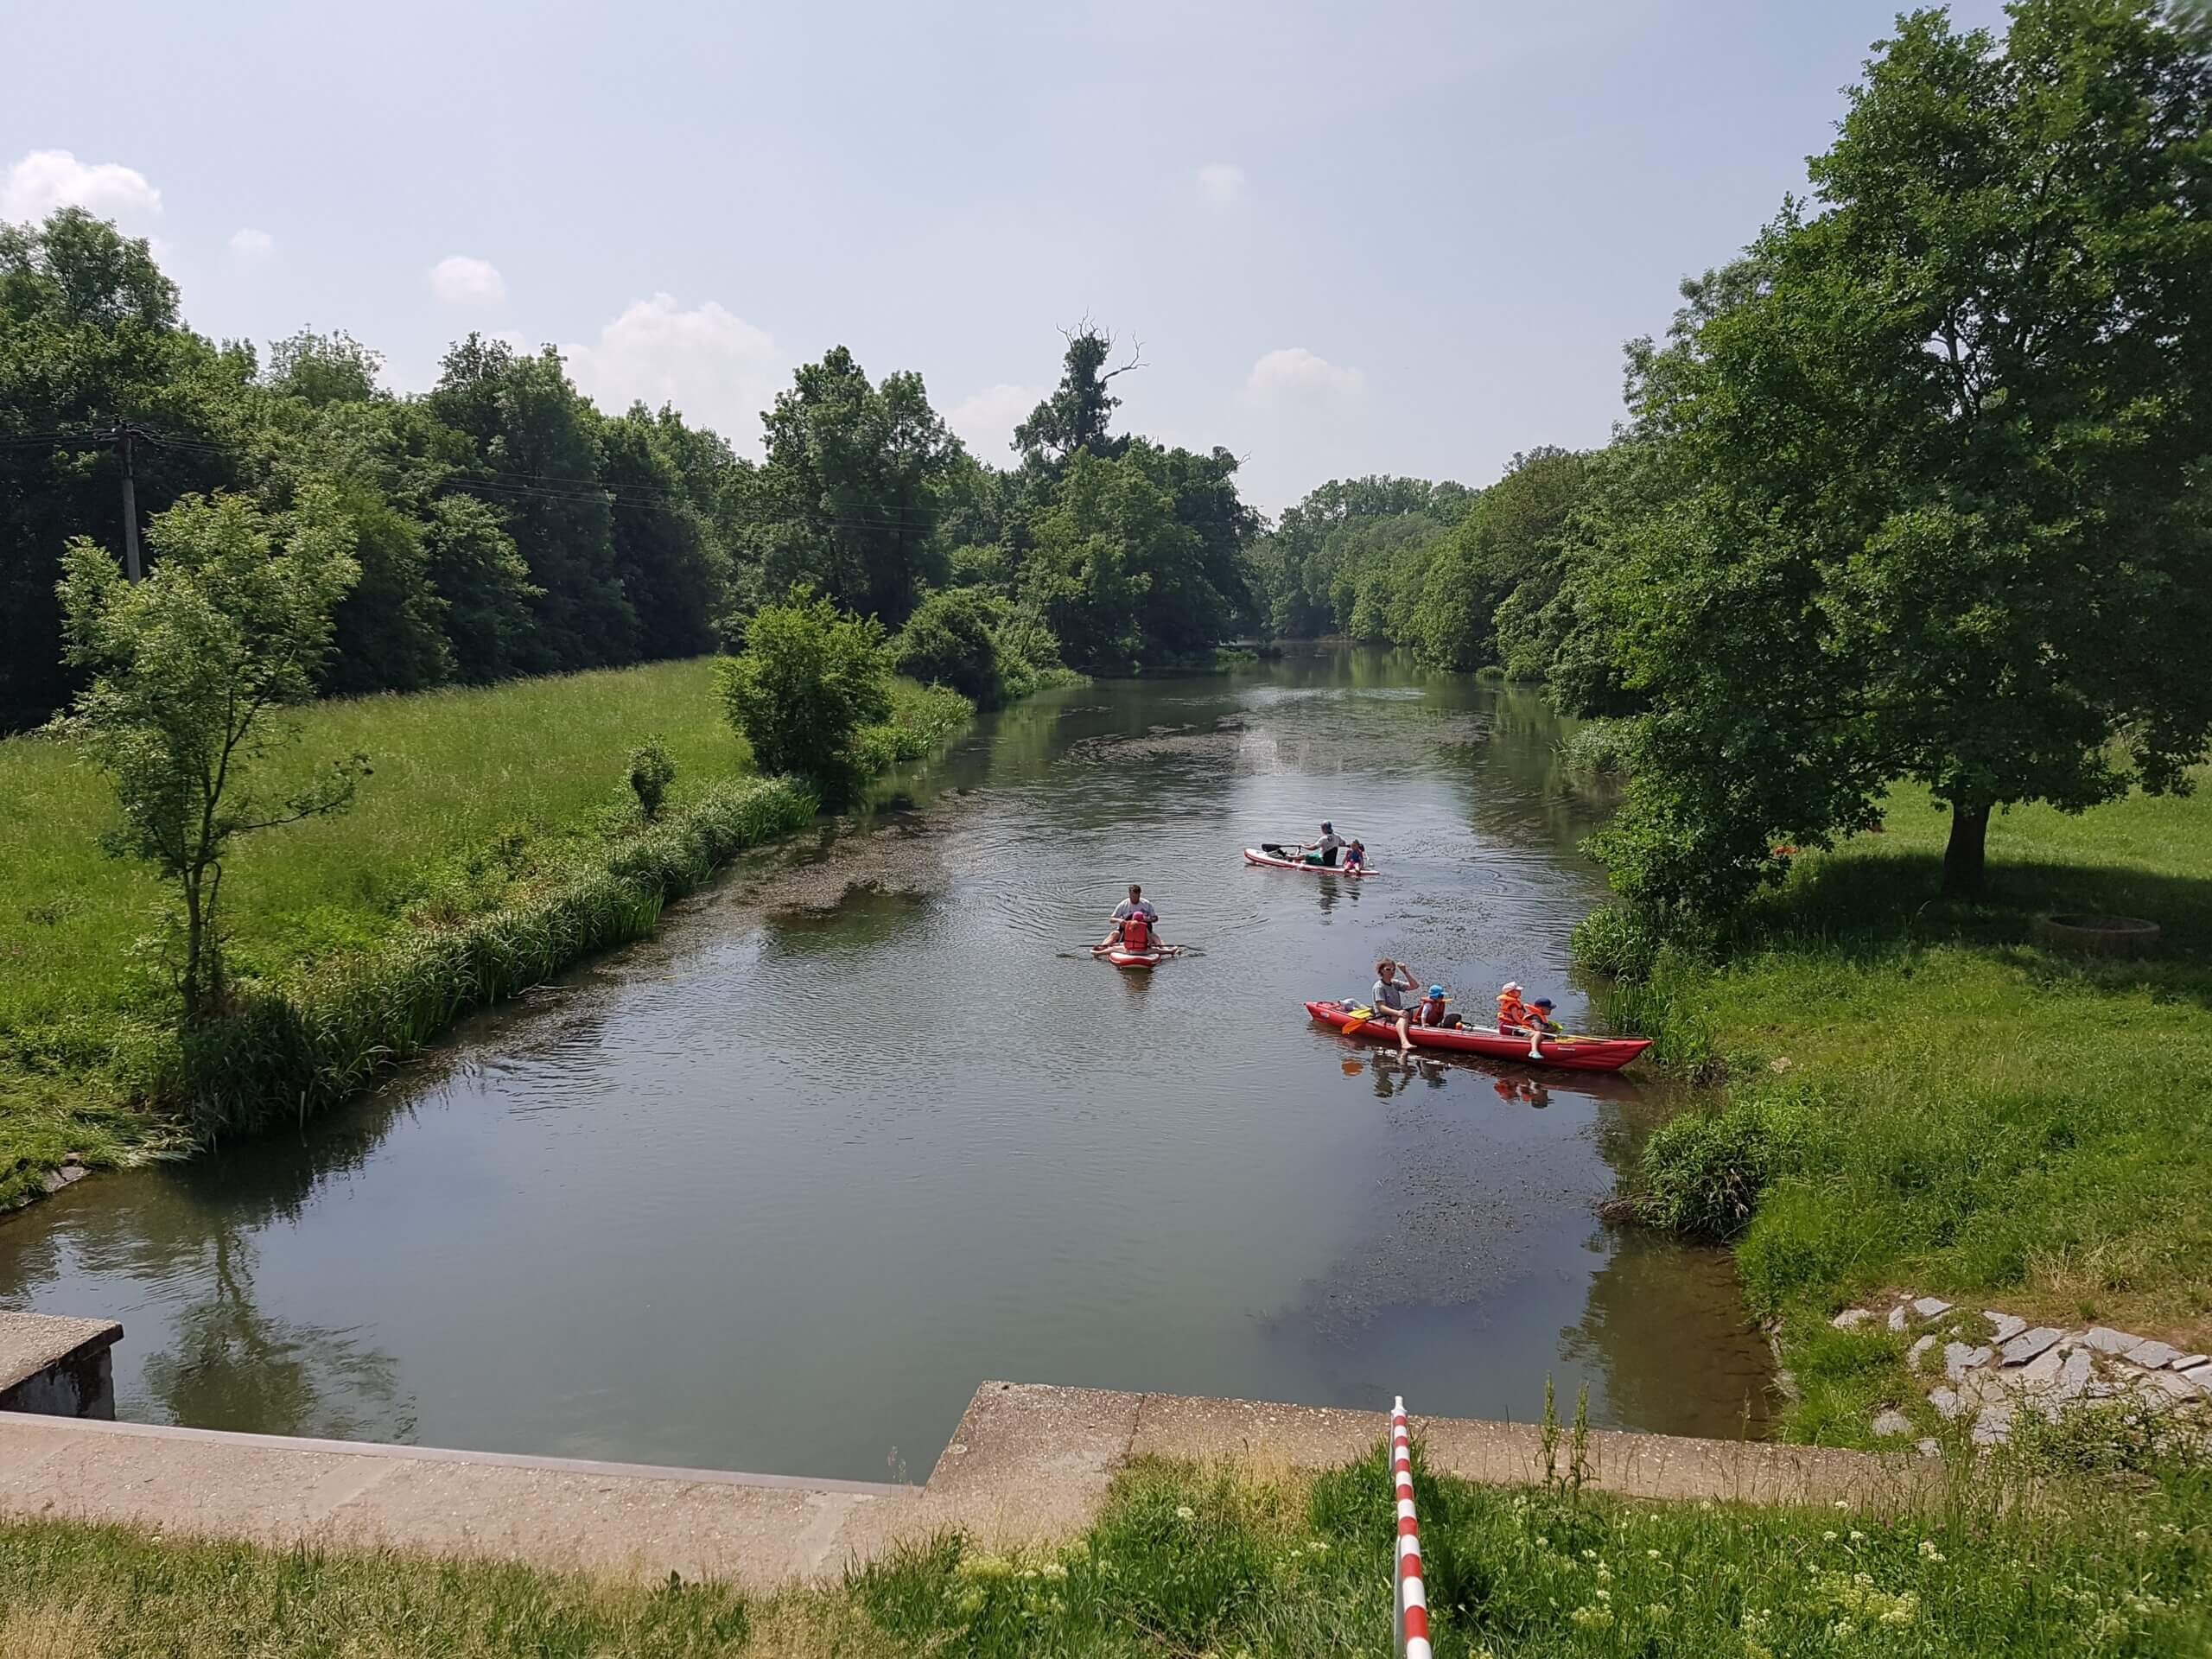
pixel 1184 1512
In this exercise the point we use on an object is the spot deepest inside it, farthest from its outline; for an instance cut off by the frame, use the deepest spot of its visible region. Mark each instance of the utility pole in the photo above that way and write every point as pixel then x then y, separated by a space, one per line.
pixel 131 566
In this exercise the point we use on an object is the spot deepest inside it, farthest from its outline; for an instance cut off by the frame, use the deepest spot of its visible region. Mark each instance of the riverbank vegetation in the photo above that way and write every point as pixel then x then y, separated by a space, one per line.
pixel 500 837
pixel 1183 1561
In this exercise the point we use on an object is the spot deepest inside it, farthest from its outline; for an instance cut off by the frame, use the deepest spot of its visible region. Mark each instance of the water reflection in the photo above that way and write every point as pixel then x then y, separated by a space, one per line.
pixel 867 1124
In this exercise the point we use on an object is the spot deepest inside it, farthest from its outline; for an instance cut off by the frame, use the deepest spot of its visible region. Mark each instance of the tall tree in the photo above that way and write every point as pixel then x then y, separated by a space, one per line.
pixel 846 496
pixel 1946 441
pixel 90 337
pixel 538 458
pixel 1080 412
pixel 672 569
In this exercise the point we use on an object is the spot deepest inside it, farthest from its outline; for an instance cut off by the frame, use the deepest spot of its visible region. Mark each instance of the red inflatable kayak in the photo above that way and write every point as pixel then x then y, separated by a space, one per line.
pixel 1121 959
pixel 1254 856
pixel 1568 1053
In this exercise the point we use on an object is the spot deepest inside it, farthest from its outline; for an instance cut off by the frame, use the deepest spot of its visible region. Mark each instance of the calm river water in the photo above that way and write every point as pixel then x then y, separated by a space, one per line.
pixel 863 1127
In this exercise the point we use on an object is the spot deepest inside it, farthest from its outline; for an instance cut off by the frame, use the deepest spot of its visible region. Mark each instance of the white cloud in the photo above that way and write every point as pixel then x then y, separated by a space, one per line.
pixel 251 247
pixel 458 280
pixel 714 366
pixel 985 420
pixel 47 179
pixel 1221 181
pixel 1292 374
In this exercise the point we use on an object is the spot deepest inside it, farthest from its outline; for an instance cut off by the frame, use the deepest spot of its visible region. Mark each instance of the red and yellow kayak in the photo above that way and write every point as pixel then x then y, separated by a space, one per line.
pixel 1254 856
pixel 1567 1054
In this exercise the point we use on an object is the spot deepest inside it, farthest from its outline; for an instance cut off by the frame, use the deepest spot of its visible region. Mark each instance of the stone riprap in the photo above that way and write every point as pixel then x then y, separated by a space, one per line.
pixel 1995 1366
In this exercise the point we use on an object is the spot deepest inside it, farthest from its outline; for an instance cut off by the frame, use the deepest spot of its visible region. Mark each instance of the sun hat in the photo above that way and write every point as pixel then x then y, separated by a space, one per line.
pixel 1436 990
pixel 1543 1002
pixel 1510 985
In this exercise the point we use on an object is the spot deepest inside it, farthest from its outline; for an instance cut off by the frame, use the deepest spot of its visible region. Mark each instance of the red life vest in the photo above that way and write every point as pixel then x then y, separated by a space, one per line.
pixel 1136 933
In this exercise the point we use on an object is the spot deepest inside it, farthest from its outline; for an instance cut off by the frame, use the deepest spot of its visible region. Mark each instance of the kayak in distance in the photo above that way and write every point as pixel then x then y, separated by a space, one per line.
pixel 1151 957
pixel 1567 1054
pixel 1255 855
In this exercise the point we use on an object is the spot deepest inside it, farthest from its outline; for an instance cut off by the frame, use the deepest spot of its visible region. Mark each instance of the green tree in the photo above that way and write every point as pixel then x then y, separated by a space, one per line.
pixel 673 570
pixel 809 677
pixel 1080 412
pixel 846 497
pixel 1944 444
pixel 191 669
pixel 949 641
pixel 320 369
pixel 1097 549
pixel 485 585
pixel 90 335
pixel 538 457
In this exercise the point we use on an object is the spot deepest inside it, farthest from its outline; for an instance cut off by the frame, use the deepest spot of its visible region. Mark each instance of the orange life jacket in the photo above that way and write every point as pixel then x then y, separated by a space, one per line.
pixel 1512 1011
pixel 1136 933
pixel 1432 1011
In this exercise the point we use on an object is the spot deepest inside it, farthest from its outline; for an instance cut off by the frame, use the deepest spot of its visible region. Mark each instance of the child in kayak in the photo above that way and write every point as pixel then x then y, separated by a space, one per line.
pixel 1354 855
pixel 1516 1018
pixel 1430 1013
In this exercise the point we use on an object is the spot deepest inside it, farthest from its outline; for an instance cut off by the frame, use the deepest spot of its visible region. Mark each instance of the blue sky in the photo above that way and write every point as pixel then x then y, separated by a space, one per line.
pixel 1402 238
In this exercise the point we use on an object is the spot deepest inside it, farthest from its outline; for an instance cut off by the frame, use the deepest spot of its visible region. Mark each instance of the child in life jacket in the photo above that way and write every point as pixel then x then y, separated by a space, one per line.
pixel 1430 1010
pixel 1516 1018
pixel 1356 854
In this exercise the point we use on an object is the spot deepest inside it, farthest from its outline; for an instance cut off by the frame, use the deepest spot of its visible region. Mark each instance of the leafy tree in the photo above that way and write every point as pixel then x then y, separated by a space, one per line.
pixel 486 586
pixel 809 679
pixel 672 571
pixel 845 499
pixel 388 632
pixel 191 669
pixel 89 336
pixel 320 369
pixel 1307 574
pixel 1079 412
pixel 1097 551
pixel 949 641
pixel 1945 450
pixel 538 458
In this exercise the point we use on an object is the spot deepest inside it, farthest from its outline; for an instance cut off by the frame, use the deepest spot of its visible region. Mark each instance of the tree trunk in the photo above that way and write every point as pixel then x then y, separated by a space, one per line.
pixel 1966 867
pixel 195 934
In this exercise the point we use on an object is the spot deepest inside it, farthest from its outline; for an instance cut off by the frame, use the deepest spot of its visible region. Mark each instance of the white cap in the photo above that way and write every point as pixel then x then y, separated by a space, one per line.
pixel 1511 985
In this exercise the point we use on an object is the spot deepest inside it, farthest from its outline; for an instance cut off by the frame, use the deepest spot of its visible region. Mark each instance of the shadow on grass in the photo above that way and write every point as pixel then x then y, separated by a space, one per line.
pixel 1869 902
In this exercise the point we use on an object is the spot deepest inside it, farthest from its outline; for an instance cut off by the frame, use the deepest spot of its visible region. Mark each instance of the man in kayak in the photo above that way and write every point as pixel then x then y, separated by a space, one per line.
pixel 1323 852
pixel 1392 984
pixel 1135 923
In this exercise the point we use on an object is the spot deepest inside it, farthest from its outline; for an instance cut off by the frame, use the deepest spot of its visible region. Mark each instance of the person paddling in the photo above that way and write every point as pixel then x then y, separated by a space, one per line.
pixel 1323 852
pixel 1393 980
pixel 1136 923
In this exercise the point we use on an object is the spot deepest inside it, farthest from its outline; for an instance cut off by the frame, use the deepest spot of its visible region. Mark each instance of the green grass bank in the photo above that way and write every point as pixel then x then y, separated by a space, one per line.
pixel 1920 1094
pixel 495 841
pixel 1183 1562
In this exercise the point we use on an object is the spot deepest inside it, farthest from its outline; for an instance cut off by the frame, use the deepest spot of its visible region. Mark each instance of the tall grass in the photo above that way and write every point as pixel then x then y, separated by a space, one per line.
pixel 1967 1114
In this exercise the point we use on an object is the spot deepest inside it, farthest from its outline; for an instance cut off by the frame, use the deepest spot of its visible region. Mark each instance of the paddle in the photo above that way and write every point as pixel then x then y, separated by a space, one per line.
pixel 1357 1023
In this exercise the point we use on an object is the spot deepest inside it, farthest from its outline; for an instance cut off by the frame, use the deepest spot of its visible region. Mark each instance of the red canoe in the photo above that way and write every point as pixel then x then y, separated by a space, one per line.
pixel 1254 856
pixel 1568 1053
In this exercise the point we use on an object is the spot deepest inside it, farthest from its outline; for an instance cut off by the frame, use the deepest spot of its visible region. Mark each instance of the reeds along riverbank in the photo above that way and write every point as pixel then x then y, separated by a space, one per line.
pixel 295 1050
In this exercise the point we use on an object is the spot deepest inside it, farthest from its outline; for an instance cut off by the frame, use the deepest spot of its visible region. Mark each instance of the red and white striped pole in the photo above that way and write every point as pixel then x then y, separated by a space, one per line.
pixel 1411 1599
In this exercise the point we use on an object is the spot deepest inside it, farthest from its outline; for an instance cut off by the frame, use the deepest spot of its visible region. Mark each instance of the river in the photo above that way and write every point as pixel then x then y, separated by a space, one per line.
pixel 865 1124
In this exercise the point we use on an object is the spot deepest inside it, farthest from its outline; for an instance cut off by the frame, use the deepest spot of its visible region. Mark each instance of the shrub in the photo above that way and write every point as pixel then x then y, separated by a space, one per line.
pixel 810 679
pixel 1600 745
pixel 652 770
pixel 924 718
pixel 948 641
pixel 1616 943
pixel 1704 1173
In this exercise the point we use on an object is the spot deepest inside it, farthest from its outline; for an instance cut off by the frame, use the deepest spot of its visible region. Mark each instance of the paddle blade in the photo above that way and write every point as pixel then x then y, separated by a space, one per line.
pixel 1357 1023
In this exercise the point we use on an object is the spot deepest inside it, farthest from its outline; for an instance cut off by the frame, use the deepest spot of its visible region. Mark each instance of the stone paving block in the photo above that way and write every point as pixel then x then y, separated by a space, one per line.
pixel 1993 1426
pixel 2152 1356
pixel 1851 1318
pixel 1931 1307
pixel 1898 1319
pixel 1892 1422
pixel 2074 1375
pixel 2105 1340
pixel 1948 1405
pixel 2041 1371
pixel 1959 1359
pixel 1929 1447
pixel 2198 1376
pixel 2025 1346
pixel 2170 1384
pixel 2191 1362
pixel 1912 1354
pixel 2007 1325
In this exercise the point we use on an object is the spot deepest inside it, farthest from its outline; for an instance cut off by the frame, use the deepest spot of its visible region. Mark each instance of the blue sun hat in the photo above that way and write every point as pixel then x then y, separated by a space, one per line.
pixel 1436 990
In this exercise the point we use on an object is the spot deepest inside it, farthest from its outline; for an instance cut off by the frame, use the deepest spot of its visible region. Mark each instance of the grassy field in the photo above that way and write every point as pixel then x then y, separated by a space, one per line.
pixel 495 841
pixel 1183 1563
pixel 1933 1101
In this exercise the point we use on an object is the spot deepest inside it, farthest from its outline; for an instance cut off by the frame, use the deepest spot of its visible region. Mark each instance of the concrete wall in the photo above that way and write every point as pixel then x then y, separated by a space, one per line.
pixel 57 1367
